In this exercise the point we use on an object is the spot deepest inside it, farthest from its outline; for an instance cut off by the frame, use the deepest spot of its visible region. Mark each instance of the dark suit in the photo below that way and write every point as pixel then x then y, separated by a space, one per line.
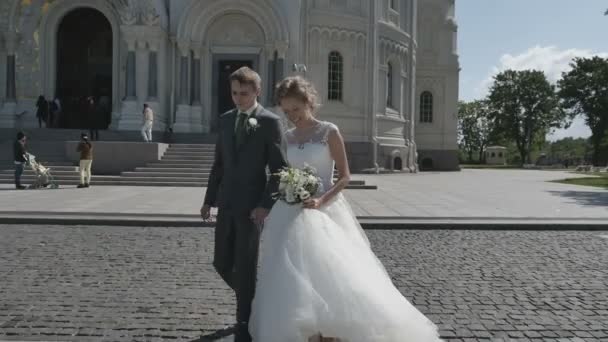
pixel 238 183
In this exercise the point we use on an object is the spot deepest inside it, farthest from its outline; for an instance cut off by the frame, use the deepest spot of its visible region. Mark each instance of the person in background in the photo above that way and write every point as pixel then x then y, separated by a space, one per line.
pixel 86 159
pixel 55 110
pixel 42 111
pixel 92 118
pixel 148 118
pixel 19 151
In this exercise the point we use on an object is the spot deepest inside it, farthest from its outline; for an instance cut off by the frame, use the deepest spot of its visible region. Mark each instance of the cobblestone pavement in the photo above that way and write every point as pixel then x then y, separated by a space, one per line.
pixel 152 284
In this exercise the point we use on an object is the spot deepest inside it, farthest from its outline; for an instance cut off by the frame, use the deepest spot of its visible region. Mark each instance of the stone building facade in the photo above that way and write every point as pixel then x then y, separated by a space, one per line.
pixel 387 70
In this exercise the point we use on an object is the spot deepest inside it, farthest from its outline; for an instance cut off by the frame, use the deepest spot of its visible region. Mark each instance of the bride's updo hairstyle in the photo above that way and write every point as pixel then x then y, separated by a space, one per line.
pixel 299 88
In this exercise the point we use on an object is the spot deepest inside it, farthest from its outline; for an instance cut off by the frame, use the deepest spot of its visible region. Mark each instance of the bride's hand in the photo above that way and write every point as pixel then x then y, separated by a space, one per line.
pixel 312 203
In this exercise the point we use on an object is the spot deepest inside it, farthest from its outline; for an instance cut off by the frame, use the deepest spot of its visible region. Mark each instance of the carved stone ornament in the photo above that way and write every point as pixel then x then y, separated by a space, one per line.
pixel 137 12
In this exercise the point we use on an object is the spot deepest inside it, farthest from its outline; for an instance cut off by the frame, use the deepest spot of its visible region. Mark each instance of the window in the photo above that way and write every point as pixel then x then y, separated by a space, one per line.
pixel 426 107
pixel 335 77
pixel 389 86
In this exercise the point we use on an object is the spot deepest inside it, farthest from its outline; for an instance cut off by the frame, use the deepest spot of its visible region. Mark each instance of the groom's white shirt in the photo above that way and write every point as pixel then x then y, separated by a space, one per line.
pixel 248 112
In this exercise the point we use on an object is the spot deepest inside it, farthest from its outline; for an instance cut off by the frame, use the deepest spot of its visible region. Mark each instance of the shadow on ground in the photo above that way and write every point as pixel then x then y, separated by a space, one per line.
pixel 590 198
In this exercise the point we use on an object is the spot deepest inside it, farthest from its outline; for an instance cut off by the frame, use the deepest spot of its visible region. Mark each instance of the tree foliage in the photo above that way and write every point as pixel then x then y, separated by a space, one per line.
pixel 584 91
pixel 524 107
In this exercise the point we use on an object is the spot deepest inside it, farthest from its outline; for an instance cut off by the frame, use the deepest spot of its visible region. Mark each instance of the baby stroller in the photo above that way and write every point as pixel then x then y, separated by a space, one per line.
pixel 44 178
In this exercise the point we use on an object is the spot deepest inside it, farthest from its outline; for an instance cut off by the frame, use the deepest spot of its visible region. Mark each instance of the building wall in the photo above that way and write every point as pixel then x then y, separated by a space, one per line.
pixel 437 73
pixel 369 35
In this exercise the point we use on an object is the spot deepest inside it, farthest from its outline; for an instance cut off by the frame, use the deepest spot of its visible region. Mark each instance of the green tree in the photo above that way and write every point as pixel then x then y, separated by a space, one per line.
pixel 524 107
pixel 474 128
pixel 584 91
pixel 572 150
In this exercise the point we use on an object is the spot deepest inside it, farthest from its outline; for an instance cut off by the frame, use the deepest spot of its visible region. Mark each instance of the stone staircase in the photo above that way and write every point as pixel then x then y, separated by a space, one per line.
pixel 182 165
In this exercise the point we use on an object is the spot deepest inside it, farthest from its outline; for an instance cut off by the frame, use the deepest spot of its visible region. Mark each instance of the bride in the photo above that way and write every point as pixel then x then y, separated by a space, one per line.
pixel 319 279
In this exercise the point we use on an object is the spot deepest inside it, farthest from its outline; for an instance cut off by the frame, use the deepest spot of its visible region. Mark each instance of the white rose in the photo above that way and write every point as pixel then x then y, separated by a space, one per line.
pixel 305 195
pixel 253 122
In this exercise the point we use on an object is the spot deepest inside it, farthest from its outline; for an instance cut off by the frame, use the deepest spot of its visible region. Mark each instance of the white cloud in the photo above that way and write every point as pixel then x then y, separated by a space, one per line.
pixel 553 62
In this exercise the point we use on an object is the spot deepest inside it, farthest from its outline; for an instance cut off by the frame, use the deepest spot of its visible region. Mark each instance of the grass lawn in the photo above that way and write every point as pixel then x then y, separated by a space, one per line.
pixel 599 180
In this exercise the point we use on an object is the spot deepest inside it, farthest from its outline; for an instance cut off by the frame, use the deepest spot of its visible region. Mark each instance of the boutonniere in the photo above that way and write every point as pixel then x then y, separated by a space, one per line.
pixel 252 124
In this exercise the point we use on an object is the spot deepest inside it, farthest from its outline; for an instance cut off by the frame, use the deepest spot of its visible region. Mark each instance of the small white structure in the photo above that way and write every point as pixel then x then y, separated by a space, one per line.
pixel 496 155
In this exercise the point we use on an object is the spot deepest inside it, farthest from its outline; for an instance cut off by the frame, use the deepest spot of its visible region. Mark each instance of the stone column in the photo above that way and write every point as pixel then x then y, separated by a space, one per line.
pixel 183 116
pixel 271 73
pixel 195 94
pixel 141 59
pixel 11 42
pixel 183 74
pixel 197 123
pixel 130 89
pixel 153 73
pixel 279 66
pixel 9 108
pixel 130 112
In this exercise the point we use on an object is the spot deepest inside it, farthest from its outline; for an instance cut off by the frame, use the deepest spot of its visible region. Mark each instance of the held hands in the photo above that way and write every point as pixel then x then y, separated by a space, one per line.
pixel 206 212
pixel 258 215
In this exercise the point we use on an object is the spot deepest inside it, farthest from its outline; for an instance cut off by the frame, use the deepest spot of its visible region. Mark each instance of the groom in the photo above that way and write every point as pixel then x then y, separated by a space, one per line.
pixel 249 140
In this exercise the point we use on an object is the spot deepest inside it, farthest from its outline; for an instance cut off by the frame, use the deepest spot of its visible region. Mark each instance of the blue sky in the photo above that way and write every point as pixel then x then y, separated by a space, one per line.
pixel 495 35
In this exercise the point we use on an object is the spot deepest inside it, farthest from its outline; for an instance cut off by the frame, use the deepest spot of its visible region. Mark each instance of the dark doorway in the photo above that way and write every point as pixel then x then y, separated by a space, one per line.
pixel 427 164
pixel 397 163
pixel 226 67
pixel 84 69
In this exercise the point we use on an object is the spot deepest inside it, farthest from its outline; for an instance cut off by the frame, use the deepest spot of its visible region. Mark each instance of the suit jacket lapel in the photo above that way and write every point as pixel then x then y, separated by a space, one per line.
pixel 229 134
pixel 249 133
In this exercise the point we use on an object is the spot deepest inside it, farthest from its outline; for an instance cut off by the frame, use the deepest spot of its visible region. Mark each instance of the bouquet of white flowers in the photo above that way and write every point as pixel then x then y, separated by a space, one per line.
pixel 297 185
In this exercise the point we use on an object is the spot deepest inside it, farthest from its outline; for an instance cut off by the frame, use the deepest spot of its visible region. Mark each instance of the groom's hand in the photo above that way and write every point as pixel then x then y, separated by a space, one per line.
pixel 258 215
pixel 205 212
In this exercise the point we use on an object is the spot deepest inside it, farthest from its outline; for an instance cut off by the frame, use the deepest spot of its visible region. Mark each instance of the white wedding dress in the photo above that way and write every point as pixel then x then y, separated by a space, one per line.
pixel 318 273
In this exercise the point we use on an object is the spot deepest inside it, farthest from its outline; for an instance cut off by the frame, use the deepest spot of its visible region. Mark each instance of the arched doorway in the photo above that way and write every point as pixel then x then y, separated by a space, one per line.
pixel 397 164
pixel 84 69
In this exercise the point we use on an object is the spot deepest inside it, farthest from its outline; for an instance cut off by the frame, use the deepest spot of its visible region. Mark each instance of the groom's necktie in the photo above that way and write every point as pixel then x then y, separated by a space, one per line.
pixel 240 128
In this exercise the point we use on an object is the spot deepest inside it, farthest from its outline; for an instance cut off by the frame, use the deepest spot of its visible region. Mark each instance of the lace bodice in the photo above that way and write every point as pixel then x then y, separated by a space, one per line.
pixel 310 147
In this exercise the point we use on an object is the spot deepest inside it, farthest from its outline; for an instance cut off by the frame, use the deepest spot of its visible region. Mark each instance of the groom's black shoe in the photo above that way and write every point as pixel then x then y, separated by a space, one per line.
pixel 242 332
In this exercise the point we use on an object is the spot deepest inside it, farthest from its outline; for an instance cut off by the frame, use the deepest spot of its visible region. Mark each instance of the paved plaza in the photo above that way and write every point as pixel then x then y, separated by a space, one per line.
pixel 489 195
pixel 79 283
pixel 95 282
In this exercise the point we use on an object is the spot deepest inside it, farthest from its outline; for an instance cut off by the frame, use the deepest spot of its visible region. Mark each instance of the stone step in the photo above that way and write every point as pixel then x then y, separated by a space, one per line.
pixel 109 181
pixel 161 178
pixel 76 177
pixel 147 174
pixel 186 157
pixel 179 165
pixel 118 182
pixel 54 172
pixel 192 149
pixel 188 154
pixel 173 169
pixel 184 161
pixel 54 166
pixel 4 178
pixel 192 145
